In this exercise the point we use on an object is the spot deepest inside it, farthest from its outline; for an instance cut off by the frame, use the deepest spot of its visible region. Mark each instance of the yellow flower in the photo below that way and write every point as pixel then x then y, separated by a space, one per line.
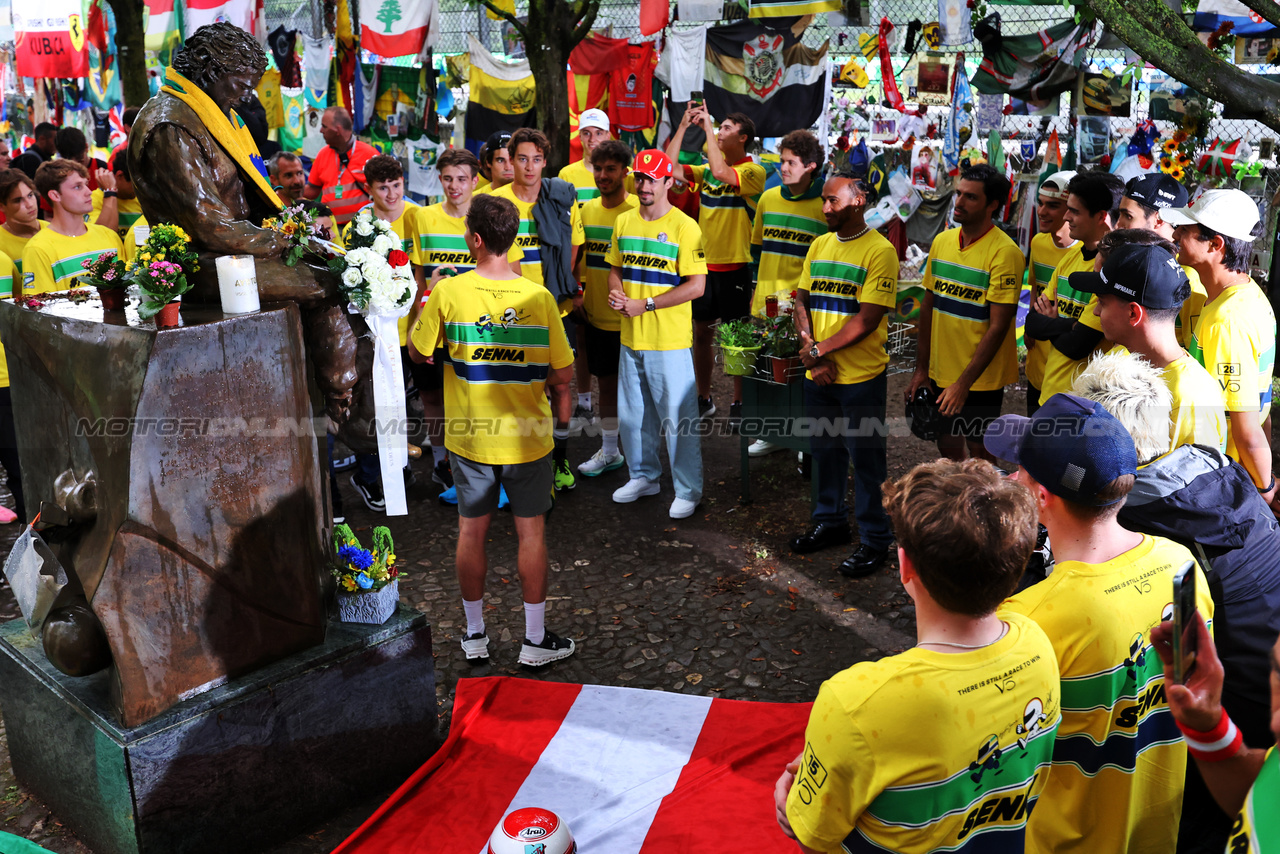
pixel 1169 146
pixel 349 583
pixel 391 559
pixel 1176 173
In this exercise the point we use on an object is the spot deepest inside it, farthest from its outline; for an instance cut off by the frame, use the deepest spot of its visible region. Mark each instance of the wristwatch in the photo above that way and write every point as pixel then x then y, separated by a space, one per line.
pixel 813 351
pixel 650 305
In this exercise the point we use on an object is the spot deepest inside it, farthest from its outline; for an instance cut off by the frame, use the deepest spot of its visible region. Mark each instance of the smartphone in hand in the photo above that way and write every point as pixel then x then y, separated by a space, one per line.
pixel 697 99
pixel 1184 622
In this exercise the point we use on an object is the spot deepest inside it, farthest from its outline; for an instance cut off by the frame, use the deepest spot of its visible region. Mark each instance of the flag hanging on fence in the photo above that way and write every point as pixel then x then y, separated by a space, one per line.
pixel 1033 67
pixel 399 27
pixel 197 13
pixel 630 771
pixel 766 74
pixel 502 96
pixel 1211 14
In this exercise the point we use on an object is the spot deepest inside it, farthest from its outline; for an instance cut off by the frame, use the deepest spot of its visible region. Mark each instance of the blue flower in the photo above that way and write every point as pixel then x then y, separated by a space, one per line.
pixel 364 581
pixel 355 557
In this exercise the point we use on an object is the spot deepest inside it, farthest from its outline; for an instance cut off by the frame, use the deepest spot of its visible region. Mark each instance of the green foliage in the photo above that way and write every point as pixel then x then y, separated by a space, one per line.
pixel 781 337
pixel 744 333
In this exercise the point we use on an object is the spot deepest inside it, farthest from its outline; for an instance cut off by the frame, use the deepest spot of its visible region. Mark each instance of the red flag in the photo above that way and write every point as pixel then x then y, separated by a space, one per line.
pixel 892 98
pixel 1053 151
pixel 654 15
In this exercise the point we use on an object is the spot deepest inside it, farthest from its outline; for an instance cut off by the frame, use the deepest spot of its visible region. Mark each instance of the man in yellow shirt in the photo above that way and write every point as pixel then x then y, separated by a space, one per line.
pixel 1140 291
pixel 51 261
pixel 505 344
pixel 657 266
pixel 965 344
pixel 1235 336
pixel 496 159
pixel 593 129
pixel 942 747
pixel 116 206
pixel 8 432
pixel 1144 199
pixel 1118 765
pixel 848 284
pixel 1047 249
pixel 728 185
pixel 21 207
pixel 1063 316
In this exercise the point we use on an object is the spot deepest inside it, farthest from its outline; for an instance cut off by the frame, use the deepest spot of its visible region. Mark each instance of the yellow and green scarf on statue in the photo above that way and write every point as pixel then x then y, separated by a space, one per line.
pixel 230 132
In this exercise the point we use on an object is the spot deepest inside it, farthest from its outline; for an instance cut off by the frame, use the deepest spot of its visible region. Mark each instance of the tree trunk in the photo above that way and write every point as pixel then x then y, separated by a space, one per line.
pixel 548 52
pixel 131 51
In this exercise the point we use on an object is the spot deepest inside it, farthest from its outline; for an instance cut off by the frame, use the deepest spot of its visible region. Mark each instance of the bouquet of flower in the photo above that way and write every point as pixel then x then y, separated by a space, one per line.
pixel 299 225
pixel 376 276
pixel 358 569
pixel 168 243
pixel 743 333
pixel 106 272
pixel 161 282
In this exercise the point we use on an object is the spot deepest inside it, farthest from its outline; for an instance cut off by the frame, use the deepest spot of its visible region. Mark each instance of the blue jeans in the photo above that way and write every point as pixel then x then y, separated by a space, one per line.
pixel 849 422
pixel 657 394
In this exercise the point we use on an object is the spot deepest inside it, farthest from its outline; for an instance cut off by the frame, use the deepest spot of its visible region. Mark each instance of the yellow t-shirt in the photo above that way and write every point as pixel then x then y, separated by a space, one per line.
pixel 1059 371
pixel 579 174
pixel 1235 340
pixel 130 212
pixel 1256 827
pixel 404 227
pixel 131 238
pixel 965 282
pixel 929 751
pixel 784 230
pixel 501 339
pixel 593 231
pixel 7 272
pixel 724 212
pixel 1043 259
pixel 840 277
pixel 1198 416
pixel 654 257
pixel 1185 323
pixel 1119 760
pixel 527 236
pixel 52 261
pixel 439 241
pixel 483 185
pixel 12 245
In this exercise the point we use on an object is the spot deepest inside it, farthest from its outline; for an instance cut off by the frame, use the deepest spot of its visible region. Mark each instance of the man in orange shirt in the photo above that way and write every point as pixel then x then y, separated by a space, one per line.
pixel 337 175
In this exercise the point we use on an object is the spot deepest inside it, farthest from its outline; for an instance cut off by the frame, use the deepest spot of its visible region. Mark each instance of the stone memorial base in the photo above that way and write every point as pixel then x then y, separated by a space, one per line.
pixel 236 768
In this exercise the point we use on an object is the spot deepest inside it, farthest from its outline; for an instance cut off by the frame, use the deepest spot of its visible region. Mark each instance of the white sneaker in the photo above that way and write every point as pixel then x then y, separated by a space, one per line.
pixel 583 419
pixel 637 487
pixel 600 463
pixel 761 448
pixel 476 647
pixel 682 508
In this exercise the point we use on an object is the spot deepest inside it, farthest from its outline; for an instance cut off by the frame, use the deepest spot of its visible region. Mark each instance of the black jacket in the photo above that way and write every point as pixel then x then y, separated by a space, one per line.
pixel 551 214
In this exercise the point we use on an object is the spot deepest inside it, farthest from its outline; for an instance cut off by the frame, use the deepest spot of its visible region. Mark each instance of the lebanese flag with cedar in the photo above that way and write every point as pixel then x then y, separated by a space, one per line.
pixel 630 771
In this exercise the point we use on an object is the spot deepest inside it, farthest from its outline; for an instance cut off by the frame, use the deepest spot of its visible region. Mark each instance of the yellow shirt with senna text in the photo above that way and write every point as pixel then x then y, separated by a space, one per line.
pixel 501 338
pixel 964 283
pixel 653 258
pixel 842 276
pixel 52 261
pixel 930 751
pixel 1119 759
pixel 593 230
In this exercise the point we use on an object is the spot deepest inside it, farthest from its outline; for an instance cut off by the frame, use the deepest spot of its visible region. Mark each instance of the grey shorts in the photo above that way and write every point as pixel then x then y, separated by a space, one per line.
pixel 530 486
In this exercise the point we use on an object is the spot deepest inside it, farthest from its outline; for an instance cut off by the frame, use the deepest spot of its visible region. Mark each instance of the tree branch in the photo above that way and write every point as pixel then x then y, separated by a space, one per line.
pixel 1163 38
pixel 590 9
pixel 1269 11
pixel 506 16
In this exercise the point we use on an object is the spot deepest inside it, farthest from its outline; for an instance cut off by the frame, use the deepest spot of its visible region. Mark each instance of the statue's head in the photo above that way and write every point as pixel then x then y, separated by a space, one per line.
pixel 216 53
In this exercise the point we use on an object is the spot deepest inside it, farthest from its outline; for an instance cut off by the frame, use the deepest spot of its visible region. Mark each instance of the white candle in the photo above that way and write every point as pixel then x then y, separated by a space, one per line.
pixel 238 284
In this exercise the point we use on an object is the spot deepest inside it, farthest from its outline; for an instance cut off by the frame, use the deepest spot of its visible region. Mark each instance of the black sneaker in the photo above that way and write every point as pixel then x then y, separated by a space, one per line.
pixel 443 473
pixel 552 648
pixel 706 407
pixel 735 416
pixel 371 493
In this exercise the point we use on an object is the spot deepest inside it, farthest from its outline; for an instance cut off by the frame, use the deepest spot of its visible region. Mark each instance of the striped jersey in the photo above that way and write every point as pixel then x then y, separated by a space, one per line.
pixel 1119 760
pixel 654 257
pixel 130 212
pixel 579 174
pixel 964 283
pixel 784 229
pixel 7 273
pixel 403 227
pixel 52 261
pixel 931 751
pixel 501 338
pixel 439 241
pixel 12 245
pixel 1044 257
pixel 1059 370
pixel 725 211
pixel 1257 826
pixel 840 277
pixel 791 8
pixel 593 231
pixel 527 236
pixel 1235 340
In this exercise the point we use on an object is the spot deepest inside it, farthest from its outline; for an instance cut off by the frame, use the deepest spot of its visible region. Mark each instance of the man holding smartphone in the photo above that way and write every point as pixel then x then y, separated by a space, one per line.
pixel 1117 777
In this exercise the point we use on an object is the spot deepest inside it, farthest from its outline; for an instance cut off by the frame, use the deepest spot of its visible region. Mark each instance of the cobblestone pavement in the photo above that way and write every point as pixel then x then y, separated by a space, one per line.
pixel 714 604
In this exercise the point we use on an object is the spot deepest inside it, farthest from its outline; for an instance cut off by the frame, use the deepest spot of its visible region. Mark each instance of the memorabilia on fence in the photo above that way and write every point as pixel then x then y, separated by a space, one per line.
pixel 924 168
pixel 1103 94
pixel 1093 138
pixel 1256 51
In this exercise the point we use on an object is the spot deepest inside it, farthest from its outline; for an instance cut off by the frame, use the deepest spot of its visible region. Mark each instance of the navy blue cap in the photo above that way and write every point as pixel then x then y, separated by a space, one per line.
pixel 1073 447
pixel 1147 275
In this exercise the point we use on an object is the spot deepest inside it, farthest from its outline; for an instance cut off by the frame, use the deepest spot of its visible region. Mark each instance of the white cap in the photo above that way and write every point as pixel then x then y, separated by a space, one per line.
pixel 1229 212
pixel 1055 186
pixel 593 118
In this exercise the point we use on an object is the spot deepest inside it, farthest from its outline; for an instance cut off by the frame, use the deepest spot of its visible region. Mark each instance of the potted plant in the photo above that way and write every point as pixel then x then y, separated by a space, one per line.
pixel 740 342
pixel 160 271
pixel 782 346
pixel 107 274
pixel 368 580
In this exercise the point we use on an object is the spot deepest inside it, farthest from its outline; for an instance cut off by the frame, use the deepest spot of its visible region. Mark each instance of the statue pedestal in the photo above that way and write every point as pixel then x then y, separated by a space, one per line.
pixel 236 768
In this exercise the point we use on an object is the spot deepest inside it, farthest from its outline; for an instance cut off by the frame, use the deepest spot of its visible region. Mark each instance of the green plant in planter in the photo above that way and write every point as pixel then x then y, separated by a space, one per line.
pixel 743 333
pixel 781 338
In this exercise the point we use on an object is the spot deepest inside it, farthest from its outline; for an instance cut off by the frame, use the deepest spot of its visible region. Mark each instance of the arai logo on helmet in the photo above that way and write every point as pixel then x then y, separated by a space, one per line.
pixel 532 833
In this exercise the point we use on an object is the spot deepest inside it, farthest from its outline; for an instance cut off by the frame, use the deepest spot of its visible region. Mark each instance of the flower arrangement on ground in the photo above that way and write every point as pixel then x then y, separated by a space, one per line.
pixel 299 225
pixel 375 271
pixel 780 336
pixel 161 266
pixel 743 333
pixel 361 570
pixel 106 272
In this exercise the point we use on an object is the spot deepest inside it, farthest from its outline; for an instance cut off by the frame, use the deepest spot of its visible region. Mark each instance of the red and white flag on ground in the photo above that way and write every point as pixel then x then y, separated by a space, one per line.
pixel 631 771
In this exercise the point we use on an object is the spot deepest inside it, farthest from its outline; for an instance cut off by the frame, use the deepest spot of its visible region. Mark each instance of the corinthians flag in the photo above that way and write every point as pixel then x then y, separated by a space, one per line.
pixel 766 74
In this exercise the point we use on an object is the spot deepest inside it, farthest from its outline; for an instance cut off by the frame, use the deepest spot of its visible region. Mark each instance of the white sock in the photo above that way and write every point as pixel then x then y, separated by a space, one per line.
pixel 439 455
pixel 584 400
pixel 475 616
pixel 534 617
pixel 560 433
pixel 610 445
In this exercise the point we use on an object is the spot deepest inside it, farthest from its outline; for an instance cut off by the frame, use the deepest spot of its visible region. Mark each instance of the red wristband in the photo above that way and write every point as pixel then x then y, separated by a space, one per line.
pixel 1221 742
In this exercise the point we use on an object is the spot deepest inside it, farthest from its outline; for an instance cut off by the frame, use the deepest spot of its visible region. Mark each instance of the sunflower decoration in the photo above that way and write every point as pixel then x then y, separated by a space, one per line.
pixel 1177 173
pixel 1169 146
pixel 1167 165
pixel 1180 136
